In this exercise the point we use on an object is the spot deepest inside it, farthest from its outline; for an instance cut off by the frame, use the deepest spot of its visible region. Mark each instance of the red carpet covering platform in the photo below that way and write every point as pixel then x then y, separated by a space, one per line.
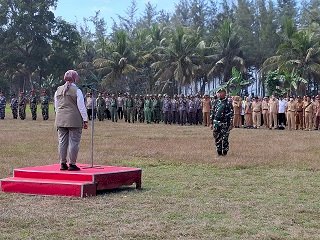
pixel 49 180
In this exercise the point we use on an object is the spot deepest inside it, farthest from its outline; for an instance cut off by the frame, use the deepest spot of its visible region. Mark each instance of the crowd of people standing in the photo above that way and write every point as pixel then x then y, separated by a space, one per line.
pixel 292 113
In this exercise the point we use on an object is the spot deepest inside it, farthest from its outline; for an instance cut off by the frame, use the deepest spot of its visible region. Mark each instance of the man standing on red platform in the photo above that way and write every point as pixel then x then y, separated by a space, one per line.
pixel 71 117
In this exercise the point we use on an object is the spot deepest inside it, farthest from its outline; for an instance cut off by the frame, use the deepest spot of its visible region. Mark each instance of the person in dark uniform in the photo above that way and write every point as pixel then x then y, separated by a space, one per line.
pixel 221 122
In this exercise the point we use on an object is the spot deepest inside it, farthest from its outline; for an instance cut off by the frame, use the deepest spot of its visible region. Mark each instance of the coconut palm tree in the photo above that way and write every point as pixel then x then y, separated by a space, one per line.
pixel 298 54
pixel 226 52
pixel 174 58
pixel 118 64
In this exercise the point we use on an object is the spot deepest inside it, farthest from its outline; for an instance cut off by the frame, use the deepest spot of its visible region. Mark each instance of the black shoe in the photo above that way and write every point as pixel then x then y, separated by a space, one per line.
pixel 63 167
pixel 219 153
pixel 224 153
pixel 73 167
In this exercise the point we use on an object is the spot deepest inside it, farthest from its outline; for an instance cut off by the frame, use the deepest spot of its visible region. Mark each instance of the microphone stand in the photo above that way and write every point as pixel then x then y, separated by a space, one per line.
pixel 92 124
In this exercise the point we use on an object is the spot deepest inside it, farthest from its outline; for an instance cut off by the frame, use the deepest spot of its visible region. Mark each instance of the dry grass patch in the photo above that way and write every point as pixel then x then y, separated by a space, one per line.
pixel 266 188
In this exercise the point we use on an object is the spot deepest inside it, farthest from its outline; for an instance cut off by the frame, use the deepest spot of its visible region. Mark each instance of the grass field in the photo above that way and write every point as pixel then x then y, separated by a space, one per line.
pixel 266 188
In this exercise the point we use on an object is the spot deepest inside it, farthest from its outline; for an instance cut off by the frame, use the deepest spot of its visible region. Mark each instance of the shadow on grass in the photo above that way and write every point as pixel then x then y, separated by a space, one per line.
pixel 122 190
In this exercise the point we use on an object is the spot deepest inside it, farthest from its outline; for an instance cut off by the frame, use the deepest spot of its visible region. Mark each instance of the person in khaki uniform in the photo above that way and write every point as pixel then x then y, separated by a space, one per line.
pixel 256 112
pixel 273 111
pixel 291 113
pixel 317 113
pixel 265 111
pixel 299 114
pixel 206 106
pixel 308 113
pixel 248 113
pixel 236 111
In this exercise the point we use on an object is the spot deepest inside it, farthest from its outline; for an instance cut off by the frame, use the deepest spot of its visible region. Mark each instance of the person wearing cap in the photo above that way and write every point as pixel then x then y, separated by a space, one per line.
pixel 141 108
pixel 182 110
pixel 44 100
pixel 273 112
pixel 33 104
pixel 22 106
pixel 299 114
pixel 265 111
pixel 101 107
pixel 129 106
pixel 14 106
pixel 174 110
pixel 291 110
pixel 221 122
pixel 147 109
pixel 236 104
pixel 248 113
pixel 206 106
pixel 3 103
pixel 308 113
pixel 256 112
pixel 166 109
pixel 71 117
pixel 114 108
pixel 156 109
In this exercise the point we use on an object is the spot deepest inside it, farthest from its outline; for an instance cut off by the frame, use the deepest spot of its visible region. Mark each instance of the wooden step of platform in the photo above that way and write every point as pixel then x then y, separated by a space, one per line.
pixel 50 180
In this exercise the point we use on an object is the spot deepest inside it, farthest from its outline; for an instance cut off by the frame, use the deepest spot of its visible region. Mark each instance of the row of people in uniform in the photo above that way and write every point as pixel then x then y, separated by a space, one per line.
pixel 192 110
pixel 294 112
pixel 18 105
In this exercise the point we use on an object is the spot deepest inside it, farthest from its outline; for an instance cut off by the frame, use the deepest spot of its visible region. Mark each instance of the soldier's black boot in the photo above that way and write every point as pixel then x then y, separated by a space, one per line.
pixel 224 153
pixel 219 152
pixel 63 166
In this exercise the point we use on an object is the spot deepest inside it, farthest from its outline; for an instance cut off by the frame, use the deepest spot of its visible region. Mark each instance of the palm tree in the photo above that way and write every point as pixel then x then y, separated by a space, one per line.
pixel 118 64
pixel 226 52
pixel 298 54
pixel 174 58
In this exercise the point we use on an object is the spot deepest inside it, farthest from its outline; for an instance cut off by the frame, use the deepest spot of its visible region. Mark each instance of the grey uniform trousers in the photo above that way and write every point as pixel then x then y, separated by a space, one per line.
pixel 69 141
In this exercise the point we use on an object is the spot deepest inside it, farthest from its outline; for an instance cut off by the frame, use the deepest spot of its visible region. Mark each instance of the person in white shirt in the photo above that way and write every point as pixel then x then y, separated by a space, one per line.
pixel 71 117
pixel 282 112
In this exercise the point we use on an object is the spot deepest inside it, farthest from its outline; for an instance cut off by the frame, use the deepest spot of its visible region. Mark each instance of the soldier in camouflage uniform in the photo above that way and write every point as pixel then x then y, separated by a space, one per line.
pixel 14 106
pixel 129 105
pixel 22 106
pixel 2 106
pixel 114 108
pixel 221 122
pixel 101 107
pixel 156 109
pixel 166 109
pixel 44 99
pixel 147 109
pixel 33 105
pixel 141 109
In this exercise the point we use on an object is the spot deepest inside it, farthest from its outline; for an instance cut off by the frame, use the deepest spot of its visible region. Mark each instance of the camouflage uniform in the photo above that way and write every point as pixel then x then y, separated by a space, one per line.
pixel 166 109
pixel 101 107
pixel 182 110
pixel 44 99
pixel 129 105
pixel 147 109
pixel 14 106
pixel 141 109
pixel 33 106
pixel 114 108
pixel 222 117
pixel 174 110
pixel 156 110
pixel 22 106
pixel 2 106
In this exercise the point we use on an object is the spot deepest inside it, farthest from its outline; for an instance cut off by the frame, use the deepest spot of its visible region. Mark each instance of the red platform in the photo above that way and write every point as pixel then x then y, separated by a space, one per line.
pixel 49 180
